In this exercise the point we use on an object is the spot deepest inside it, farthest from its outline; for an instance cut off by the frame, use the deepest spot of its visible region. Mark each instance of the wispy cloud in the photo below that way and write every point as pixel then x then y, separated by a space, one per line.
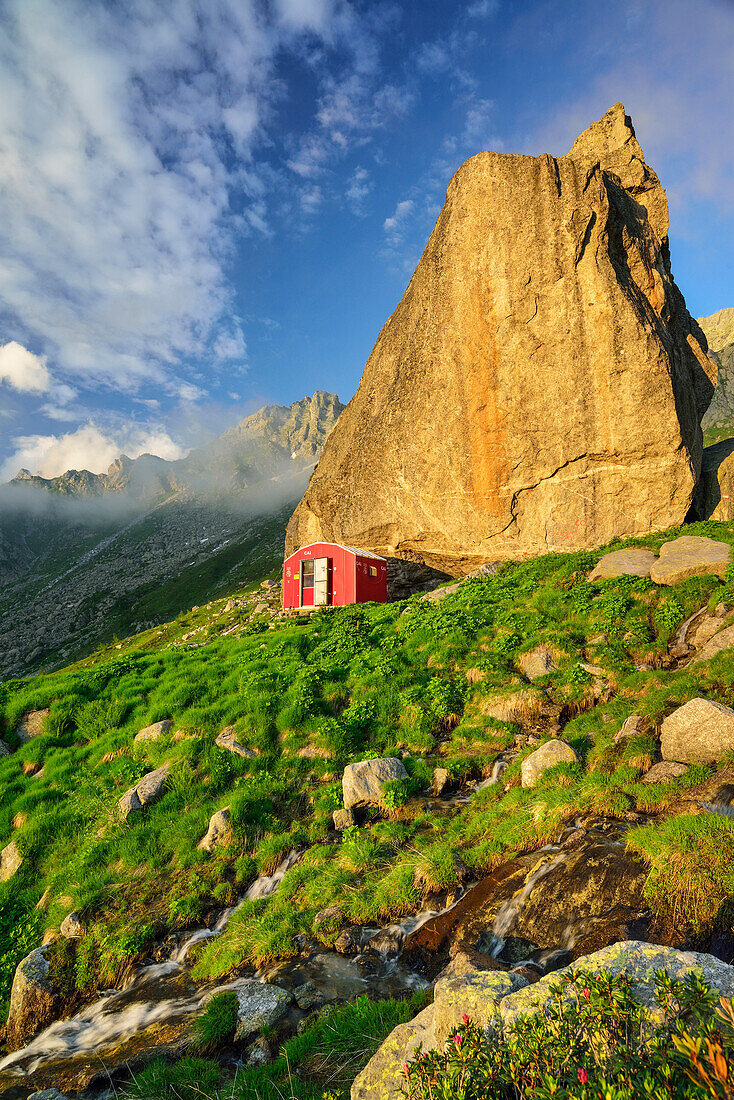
pixel 126 132
pixel 87 448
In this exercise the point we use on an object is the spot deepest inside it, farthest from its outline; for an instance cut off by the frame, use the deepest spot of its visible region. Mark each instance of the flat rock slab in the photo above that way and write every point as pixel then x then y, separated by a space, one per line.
pixel 690 556
pixel 665 771
pixel 154 732
pixel 32 725
pixel 700 732
pixel 639 961
pixel 362 783
pixel 547 756
pixel 259 1005
pixel 383 1078
pixel 623 563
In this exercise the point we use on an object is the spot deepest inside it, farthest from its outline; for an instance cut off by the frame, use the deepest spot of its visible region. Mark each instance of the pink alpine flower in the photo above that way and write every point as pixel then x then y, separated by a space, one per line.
pixel 458 1040
pixel 583 1075
pixel 406 1068
pixel 585 993
pixel 465 1019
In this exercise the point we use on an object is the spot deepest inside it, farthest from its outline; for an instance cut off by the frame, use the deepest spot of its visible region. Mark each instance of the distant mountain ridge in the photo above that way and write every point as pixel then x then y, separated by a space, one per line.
pixel 718 421
pixel 86 556
pixel 274 436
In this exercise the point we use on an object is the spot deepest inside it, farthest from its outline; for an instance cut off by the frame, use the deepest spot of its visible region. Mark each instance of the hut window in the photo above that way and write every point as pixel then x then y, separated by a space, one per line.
pixel 373 571
pixel 307 574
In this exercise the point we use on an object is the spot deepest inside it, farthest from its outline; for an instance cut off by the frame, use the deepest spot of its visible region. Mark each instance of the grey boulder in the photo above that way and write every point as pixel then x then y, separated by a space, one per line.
pixel 362 783
pixel 700 732
pixel 547 756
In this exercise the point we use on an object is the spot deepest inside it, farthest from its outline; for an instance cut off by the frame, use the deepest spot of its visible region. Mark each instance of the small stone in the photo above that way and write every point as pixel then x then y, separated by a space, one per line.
pixel 631 727
pixel 348 942
pixel 229 740
pixel 259 1053
pixel 441 777
pixel 154 732
pixel 71 927
pixel 665 771
pixel 219 831
pixel 547 756
pixel 332 915
pixel 5 750
pixel 621 563
pixel 145 792
pixel 47 1094
pixel 690 556
pixel 10 861
pixel 342 819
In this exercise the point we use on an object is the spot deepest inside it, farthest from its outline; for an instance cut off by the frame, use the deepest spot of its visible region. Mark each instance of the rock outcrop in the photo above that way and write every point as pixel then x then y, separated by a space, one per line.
pixel 541 384
pixel 719 329
pixel 690 556
pixel 145 792
pixel 547 756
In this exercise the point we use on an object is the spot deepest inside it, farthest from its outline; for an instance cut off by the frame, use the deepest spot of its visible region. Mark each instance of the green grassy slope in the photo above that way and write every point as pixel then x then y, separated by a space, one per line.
pixel 308 697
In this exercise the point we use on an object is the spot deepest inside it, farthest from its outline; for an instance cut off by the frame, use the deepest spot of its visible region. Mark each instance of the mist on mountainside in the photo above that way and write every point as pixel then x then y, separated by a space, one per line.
pixel 86 556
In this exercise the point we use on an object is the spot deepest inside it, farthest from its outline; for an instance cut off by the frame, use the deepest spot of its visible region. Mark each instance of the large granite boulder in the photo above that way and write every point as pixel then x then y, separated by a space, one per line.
pixel 700 732
pixel 547 756
pixel 719 331
pixel 540 385
pixel 383 1078
pixel 362 783
pixel 690 556
pixel 475 994
pixel 33 1002
pixel 720 641
pixel 621 563
pixel 640 962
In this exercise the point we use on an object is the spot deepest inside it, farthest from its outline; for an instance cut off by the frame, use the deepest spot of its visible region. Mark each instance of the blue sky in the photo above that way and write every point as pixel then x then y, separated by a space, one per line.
pixel 210 205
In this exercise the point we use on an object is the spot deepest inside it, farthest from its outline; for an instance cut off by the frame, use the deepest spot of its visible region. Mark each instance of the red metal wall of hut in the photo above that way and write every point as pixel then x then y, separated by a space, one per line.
pixel 326 574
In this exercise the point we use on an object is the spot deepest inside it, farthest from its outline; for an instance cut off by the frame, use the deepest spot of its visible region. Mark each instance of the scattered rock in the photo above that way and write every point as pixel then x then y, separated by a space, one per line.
pixel 342 819
pixel 537 662
pixel 154 732
pixel 439 594
pixel 690 556
pixel 259 1005
pixel 308 996
pixel 5 750
pixel 547 756
pixel 32 725
pixel 621 563
pixel 631 727
pixel 700 732
pixel 333 914
pixel 219 831
pixel 348 942
pixel 441 777
pixel 47 1094
pixel 665 771
pixel 229 740
pixel 10 861
pixel 259 1053
pixel 145 792
pixel 72 927
pixel 33 1002
pixel 362 783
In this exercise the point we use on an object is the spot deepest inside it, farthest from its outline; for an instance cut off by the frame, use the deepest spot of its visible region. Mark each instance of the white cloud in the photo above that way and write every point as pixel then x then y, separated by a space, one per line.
pixel 23 370
pixel 87 448
pixel 359 188
pixel 126 132
pixel 483 9
pixel 395 225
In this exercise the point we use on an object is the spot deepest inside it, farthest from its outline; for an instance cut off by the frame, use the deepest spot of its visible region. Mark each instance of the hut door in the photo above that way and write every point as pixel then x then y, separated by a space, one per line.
pixel 320 581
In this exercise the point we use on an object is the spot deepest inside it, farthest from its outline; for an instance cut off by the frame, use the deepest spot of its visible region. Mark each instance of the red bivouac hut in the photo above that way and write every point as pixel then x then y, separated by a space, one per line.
pixel 326 574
